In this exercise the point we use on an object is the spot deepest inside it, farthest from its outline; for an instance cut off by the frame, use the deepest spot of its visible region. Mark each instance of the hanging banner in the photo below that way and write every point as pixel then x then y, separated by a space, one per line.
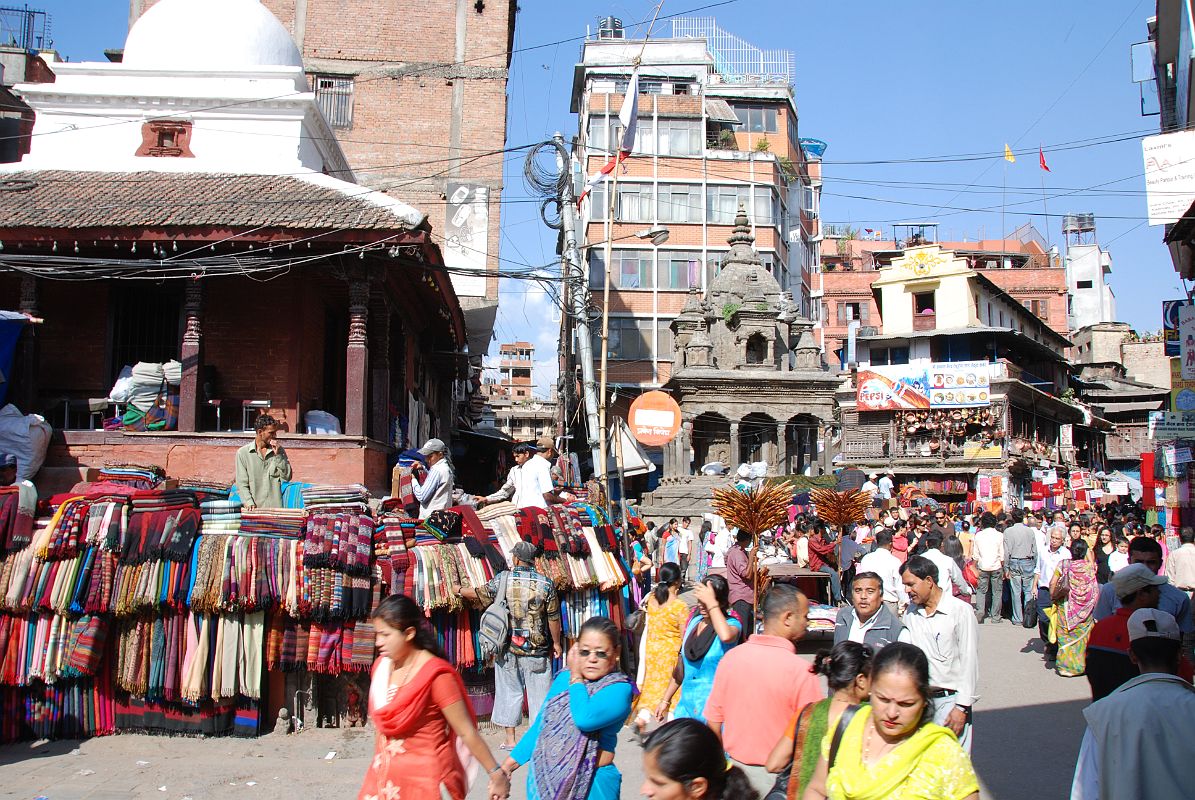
pixel 1168 426
pixel 1169 175
pixel 895 388
pixel 1171 309
pixel 1186 341
pixel 959 384
pixel 1182 392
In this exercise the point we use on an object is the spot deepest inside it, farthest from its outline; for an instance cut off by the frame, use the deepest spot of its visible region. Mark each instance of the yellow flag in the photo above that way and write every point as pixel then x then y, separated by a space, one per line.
pixel 1008 156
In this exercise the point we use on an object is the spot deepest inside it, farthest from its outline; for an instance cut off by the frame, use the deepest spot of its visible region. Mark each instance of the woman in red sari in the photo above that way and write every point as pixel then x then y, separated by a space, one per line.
pixel 425 732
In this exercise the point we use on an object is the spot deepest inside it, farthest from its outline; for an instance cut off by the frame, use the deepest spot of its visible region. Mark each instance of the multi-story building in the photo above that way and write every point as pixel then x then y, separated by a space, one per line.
pixel 1022 265
pixel 717 131
pixel 416 97
pixel 517 360
pixel 1124 376
pixel 1087 268
pixel 962 385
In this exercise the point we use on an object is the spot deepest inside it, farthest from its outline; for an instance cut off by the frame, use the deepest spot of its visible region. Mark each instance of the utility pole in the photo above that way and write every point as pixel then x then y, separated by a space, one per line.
pixel 578 294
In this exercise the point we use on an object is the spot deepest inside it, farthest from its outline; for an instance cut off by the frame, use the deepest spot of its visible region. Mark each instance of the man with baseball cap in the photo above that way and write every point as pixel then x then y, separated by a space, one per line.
pixel 1138 738
pixel 1108 662
pixel 433 486
pixel 524 667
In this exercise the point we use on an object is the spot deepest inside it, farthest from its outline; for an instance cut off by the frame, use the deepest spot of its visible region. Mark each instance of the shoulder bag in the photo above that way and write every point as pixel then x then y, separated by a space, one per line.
pixel 1062 587
pixel 839 730
pixel 493 633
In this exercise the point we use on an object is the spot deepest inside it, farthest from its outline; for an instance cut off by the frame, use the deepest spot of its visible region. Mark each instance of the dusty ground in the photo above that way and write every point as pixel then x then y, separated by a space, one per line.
pixel 1028 727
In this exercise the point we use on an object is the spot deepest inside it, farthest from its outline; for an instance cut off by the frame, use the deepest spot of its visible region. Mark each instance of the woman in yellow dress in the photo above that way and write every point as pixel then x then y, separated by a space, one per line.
pixel 890 750
pixel 666 614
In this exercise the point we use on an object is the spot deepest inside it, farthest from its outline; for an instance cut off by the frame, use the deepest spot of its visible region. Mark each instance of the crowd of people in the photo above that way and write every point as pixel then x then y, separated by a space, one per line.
pixel 724 707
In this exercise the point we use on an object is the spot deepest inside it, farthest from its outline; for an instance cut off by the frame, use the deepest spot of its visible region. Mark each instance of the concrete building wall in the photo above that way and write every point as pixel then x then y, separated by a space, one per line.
pixel 428 97
pixel 1092 301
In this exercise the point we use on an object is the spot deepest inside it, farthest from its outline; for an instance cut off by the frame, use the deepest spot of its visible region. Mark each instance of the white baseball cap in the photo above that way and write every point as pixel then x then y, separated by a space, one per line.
pixel 1150 622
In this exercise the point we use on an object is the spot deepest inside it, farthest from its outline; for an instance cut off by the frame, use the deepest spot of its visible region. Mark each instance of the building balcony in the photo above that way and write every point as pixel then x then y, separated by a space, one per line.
pixel 925 322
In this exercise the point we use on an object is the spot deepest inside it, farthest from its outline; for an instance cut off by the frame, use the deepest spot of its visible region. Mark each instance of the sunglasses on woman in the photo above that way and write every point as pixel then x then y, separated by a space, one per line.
pixel 598 654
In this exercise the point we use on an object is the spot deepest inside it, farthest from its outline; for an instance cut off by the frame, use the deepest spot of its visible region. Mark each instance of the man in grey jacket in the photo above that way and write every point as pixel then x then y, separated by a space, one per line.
pixel 866 620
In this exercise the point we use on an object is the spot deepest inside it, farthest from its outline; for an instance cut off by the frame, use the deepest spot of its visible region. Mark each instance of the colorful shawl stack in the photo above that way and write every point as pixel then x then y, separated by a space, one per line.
pixel 18 504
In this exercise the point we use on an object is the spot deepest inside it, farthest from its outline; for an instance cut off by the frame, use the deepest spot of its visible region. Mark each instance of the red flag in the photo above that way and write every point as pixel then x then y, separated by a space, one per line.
pixel 628 115
pixel 1041 159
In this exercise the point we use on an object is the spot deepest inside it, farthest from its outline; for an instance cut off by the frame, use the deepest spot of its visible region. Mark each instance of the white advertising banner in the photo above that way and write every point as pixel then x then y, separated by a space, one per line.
pixel 467 237
pixel 1169 175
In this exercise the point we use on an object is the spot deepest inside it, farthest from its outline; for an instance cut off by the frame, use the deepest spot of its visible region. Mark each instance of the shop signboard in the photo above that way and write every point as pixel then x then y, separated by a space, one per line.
pixel 1186 341
pixel 1169 175
pixel 1171 425
pixel 959 384
pixel 1182 392
pixel 1171 317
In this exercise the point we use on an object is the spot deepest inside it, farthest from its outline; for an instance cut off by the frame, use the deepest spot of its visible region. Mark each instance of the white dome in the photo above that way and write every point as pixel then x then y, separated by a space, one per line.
pixel 209 35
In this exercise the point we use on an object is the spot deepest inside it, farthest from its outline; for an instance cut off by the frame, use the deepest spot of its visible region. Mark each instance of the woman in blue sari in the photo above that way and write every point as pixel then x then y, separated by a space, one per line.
pixel 708 635
pixel 571 742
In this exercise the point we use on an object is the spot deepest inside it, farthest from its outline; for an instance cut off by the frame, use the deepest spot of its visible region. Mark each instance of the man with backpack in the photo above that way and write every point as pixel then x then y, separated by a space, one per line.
pixel 524 664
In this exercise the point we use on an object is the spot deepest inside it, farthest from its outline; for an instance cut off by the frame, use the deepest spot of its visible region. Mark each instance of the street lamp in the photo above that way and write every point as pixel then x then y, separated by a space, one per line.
pixel 657 233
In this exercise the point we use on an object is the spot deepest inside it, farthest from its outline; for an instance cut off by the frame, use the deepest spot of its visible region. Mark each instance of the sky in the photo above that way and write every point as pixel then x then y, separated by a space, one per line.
pixel 894 83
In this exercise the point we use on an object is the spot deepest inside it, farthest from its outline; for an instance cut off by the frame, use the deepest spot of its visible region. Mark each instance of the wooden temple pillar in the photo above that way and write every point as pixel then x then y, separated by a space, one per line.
pixel 189 391
pixel 24 382
pixel 357 361
pixel 379 374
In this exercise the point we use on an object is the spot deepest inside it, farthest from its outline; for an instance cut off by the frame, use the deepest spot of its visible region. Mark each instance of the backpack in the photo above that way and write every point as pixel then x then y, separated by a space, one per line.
pixel 493 633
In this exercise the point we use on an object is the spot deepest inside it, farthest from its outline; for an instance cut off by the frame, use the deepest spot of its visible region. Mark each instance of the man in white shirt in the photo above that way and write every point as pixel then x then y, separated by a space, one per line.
pixel 684 545
pixel 881 562
pixel 988 550
pixel 1138 738
pixel 884 486
pixel 945 629
pixel 528 483
pixel 1048 559
pixel 870 485
pixel 434 492
pixel 950 577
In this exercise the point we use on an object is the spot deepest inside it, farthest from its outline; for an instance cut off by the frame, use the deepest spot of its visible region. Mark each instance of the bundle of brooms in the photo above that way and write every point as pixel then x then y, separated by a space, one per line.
pixel 755 510
pixel 840 509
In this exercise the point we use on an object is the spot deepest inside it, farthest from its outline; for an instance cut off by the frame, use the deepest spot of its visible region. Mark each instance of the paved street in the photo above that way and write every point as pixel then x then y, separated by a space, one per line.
pixel 1028 726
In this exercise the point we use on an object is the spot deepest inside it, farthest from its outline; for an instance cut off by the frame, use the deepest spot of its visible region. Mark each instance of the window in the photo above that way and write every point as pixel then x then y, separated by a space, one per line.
pixel 1083 284
pixel 794 140
pixel 767 207
pixel 923 302
pixel 632 269
pixel 768 259
pixel 679 137
pixel 334 96
pixel 713 264
pixel 165 138
pixel 635 203
pixel 679 270
pixel 664 343
pixel 722 203
pixel 1038 308
pixel 889 356
pixel 756 119
pixel 809 200
pixel 852 310
pixel 146 322
pixel 630 339
pixel 605 138
pixel 679 203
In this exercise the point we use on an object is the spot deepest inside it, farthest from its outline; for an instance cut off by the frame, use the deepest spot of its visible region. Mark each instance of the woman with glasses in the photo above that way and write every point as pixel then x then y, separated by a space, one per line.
pixel 571 742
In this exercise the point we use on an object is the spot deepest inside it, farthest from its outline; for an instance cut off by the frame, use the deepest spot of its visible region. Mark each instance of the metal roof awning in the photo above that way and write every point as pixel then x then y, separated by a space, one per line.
pixel 718 110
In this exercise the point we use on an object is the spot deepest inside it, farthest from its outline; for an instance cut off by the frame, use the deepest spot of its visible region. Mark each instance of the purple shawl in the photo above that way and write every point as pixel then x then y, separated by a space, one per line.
pixel 565 759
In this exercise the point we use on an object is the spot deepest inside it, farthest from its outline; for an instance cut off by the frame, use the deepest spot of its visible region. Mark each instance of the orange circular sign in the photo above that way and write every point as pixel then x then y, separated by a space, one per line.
pixel 654 418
